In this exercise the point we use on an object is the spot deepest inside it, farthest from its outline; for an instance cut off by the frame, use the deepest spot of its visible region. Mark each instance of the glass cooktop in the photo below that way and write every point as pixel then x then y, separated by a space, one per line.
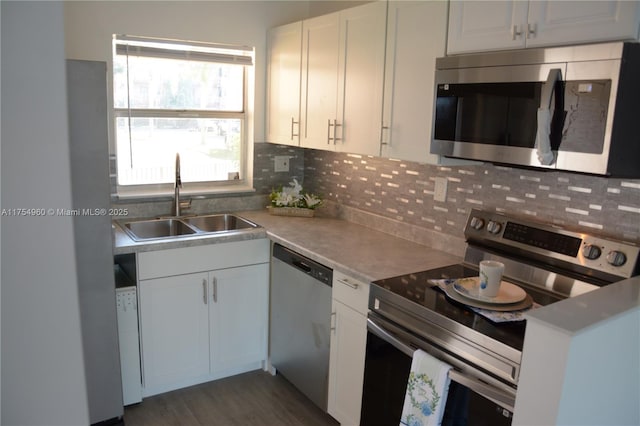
pixel 416 288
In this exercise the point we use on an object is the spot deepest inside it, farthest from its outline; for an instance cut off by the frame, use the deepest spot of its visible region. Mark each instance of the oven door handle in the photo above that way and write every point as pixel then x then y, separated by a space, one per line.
pixel 503 399
pixel 374 328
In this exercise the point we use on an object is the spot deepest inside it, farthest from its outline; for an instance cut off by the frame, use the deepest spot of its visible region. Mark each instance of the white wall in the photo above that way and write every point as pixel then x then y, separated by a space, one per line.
pixel 43 380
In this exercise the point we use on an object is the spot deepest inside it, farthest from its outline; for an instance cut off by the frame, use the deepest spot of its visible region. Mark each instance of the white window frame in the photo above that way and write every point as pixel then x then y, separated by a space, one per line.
pixel 210 52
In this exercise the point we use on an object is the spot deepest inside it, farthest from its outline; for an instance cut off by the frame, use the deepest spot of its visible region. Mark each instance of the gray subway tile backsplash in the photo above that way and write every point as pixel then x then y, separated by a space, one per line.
pixel 403 191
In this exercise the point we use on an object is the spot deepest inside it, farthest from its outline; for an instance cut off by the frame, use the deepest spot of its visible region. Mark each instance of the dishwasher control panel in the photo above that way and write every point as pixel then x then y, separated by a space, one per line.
pixel 302 263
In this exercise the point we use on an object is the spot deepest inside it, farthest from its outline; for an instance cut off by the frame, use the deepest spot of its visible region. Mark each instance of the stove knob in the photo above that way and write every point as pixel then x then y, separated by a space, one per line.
pixel 616 258
pixel 591 252
pixel 476 223
pixel 493 227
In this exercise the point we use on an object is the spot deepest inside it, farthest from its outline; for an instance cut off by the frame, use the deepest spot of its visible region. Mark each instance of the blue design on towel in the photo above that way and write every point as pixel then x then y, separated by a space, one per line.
pixel 423 395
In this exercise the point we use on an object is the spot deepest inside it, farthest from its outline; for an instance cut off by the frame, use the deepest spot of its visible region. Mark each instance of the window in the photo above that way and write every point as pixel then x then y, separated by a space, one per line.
pixel 180 97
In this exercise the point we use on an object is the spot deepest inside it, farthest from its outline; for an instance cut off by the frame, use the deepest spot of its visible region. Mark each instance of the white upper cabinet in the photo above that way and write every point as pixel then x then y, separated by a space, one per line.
pixel 416 36
pixel 366 80
pixel 496 25
pixel 564 22
pixel 342 80
pixel 361 78
pixel 320 50
pixel 284 59
pixel 486 25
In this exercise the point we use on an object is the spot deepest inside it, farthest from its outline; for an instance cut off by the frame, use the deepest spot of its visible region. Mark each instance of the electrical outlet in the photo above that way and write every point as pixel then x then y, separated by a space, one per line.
pixel 281 163
pixel 440 190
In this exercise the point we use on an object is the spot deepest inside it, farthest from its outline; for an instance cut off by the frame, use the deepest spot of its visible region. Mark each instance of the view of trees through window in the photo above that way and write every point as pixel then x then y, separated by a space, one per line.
pixel 166 106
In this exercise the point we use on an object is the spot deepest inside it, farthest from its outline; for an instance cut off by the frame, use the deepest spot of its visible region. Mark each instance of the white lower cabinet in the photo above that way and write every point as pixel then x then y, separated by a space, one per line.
pixel 174 331
pixel 238 318
pixel 348 345
pixel 204 325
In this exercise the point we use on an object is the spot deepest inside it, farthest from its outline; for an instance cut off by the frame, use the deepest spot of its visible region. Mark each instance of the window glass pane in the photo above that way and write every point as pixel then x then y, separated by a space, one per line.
pixel 210 149
pixel 158 83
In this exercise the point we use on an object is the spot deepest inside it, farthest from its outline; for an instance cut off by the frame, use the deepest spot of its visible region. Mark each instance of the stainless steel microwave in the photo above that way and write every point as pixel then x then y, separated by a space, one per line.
pixel 567 108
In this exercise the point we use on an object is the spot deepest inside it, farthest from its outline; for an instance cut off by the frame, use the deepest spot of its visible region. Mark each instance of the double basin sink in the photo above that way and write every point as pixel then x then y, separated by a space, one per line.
pixel 163 228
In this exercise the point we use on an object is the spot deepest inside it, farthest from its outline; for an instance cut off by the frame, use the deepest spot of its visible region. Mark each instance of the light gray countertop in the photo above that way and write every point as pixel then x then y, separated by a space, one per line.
pixel 579 313
pixel 353 249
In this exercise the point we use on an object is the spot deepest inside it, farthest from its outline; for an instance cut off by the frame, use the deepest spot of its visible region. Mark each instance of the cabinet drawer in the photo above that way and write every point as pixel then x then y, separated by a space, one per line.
pixel 166 263
pixel 350 291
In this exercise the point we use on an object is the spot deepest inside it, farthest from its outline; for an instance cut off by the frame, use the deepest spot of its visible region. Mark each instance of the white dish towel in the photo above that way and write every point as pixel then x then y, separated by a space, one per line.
pixel 427 390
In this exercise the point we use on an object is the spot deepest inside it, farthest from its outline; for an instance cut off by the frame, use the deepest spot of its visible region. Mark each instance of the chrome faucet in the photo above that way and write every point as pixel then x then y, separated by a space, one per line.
pixel 176 188
pixel 177 204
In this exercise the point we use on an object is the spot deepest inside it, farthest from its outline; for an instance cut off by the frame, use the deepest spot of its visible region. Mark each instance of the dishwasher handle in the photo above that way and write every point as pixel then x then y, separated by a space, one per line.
pixel 302 266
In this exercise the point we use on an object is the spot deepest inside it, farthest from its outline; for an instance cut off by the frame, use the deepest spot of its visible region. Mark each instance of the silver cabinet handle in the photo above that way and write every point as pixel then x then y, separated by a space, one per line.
pixel 335 127
pixel 382 130
pixel 531 30
pixel 352 285
pixel 292 123
pixel 215 290
pixel 329 131
pixel 515 33
pixel 333 321
pixel 204 291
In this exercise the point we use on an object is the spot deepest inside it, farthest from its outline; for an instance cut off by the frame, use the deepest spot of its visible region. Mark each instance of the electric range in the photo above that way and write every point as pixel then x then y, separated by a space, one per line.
pixel 548 262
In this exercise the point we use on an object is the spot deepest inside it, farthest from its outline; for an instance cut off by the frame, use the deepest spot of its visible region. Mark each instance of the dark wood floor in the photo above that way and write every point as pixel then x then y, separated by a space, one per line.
pixel 255 398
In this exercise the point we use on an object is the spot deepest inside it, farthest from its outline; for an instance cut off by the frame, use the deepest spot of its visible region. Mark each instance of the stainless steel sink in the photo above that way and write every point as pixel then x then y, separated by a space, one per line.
pixel 157 228
pixel 219 223
pixel 166 228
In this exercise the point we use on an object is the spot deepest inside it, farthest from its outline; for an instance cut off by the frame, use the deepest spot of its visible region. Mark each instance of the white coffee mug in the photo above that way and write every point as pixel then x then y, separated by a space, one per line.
pixel 490 278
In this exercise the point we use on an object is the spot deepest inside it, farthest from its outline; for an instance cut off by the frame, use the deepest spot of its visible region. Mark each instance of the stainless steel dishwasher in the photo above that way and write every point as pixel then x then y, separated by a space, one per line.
pixel 300 322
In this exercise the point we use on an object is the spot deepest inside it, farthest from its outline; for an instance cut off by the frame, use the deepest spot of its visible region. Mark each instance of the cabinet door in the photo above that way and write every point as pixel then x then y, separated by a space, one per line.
pixel 486 25
pixel 346 365
pixel 284 58
pixel 320 48
pixel 361 78
pixel 416 36
pixel 564 22
pixel 239 316
pixel 174 319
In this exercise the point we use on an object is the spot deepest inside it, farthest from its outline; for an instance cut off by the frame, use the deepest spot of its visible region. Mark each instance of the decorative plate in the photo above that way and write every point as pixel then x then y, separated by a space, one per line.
pixel 508 293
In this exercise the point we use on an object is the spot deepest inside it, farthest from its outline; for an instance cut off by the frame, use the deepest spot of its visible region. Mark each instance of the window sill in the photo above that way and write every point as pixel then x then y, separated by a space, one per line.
pixel 151 195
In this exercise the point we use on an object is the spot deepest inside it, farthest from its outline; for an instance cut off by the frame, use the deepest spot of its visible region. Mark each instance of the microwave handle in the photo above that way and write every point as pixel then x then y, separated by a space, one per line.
pixel 554 76
pixel 543 132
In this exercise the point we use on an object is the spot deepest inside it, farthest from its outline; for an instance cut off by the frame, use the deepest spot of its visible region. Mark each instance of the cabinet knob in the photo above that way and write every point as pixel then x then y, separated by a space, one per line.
pixel 531 30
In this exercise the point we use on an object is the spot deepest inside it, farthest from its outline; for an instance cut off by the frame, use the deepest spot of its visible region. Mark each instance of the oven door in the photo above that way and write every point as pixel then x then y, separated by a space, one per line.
pixel 387 364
